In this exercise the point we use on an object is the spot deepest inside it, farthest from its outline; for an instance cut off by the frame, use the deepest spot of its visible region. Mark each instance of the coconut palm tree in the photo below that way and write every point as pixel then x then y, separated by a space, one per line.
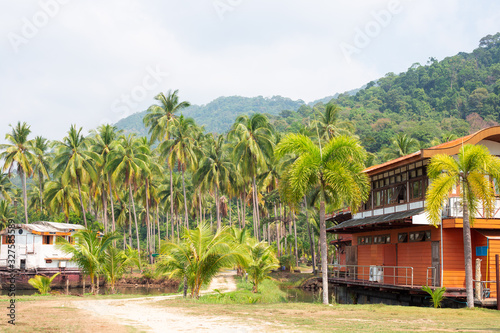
pixel 215 171
pixel 104 140
pixel 114 264
pixel 181 150
pixel 401 145
pixel 88 251
pixel 41 163
pixel 17 153
pixel 75 163
pixel 199 257
pixel 335 168
pixel 5 187
pixel 261 260
pixel 128 162
pixel 253 148
pixel 159 119
pixel 330 125
pixel 6 214
pixel 473 170
pixel 61 197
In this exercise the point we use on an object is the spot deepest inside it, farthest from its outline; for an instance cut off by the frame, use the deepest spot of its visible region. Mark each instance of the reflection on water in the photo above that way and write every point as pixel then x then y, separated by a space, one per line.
pixel 305 296
pixel 104 290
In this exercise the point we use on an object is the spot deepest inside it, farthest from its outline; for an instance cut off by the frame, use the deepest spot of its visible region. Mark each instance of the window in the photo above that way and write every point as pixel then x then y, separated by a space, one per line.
pixel 71 240
pixel 48 261
pixel 382 239
pixel 420 236
pixel 48 240
pixel 403 237
pixel 364 240
pixel 416 190
pixel 8 239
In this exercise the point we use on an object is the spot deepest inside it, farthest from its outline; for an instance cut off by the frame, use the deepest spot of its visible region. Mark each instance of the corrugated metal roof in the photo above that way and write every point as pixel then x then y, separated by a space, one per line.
pixel 44 226
pixel 376 219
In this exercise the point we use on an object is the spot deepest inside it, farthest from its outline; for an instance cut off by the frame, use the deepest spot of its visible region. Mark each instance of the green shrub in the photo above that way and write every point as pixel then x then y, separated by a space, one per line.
pixel 42 283
pixel 437 295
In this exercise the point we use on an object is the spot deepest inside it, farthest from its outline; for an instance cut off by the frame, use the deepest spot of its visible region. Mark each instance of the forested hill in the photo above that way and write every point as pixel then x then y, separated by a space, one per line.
pixel 220 114
pixel 429 102
pixel 458 95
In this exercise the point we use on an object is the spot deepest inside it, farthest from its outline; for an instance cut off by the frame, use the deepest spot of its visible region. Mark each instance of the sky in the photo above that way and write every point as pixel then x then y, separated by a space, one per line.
pixel 65 62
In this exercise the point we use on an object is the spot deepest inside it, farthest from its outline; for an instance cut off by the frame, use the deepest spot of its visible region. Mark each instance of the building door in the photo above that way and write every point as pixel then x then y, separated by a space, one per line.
pixel 351 259
pixel 390 260
pixel 436 264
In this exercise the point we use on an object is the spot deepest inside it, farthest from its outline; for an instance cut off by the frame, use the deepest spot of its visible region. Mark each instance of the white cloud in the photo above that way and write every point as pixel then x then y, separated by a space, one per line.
pixel 92 53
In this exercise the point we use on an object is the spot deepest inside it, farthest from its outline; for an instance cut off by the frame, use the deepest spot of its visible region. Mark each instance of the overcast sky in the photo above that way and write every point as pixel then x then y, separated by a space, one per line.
pixel 66 62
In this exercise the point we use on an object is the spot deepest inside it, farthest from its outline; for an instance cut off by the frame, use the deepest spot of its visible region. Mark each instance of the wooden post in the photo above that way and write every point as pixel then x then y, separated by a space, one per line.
pixel 478 280
pixel 498 281
pixel 83 282
pixel 67 285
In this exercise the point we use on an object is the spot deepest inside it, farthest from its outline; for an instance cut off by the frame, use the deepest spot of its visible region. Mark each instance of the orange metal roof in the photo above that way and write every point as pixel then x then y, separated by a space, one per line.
pixel 450 148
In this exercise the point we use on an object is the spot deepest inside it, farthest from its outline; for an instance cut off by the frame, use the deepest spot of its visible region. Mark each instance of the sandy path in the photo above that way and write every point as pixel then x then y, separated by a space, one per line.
pixel 139 313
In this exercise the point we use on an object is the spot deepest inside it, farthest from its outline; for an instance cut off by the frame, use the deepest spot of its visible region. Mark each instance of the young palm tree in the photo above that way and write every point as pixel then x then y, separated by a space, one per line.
pixel 88 251
pixel 199 257
pixel 336 169
pixel 17 153
pixel 75 163
pixel 261 260
pixel 473 170
pixel 115 263
pixel 42 283
pixel 253 148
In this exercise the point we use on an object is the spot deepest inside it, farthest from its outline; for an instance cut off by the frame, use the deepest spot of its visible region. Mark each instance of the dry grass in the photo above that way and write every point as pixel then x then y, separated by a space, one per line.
pixel 54 314
pixel 354 318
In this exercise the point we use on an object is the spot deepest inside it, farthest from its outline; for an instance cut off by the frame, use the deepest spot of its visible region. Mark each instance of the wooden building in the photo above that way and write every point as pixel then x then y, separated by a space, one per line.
pixel 393 245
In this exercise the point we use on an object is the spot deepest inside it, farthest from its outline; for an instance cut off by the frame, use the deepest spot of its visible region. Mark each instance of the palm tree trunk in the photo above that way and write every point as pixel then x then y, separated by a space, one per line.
pixel 105 210
pixel 185 199
pixel 296 248
pixel 217 208
pixel 324 251
pixel 113 227
pixel 25 197
pixel 238 210
pixel 171 198
pixel 244 207
pixel 311 241
pixel 158 222
pixel 201 213
pixel 229 208
pixel 166 227
pixel 129 223
pixel 257 219
pixel 467 250
pixel 40 187
pixel 148 223
pixel 81 202
pixel 135 220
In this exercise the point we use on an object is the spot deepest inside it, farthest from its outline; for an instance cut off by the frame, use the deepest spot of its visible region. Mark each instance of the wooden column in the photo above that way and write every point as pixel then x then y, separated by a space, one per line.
pixel 478 280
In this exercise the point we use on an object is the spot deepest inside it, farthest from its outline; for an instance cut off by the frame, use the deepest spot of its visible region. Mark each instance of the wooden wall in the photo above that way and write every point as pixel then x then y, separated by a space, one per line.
pixel 453 253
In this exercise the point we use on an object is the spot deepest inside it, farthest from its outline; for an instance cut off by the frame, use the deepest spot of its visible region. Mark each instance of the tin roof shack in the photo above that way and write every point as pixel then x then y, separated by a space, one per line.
pixel 394 248
pixel 36 253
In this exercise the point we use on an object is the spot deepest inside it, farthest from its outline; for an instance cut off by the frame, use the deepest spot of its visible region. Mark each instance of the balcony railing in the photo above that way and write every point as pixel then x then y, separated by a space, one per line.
pixel 453 208
pixel 388 275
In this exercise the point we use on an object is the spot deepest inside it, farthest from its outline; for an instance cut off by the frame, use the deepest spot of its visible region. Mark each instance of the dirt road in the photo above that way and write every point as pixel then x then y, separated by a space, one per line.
pixel 143 315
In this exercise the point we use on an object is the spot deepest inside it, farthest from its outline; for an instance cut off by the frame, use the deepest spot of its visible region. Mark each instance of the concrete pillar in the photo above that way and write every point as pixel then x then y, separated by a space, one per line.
pixel 479 295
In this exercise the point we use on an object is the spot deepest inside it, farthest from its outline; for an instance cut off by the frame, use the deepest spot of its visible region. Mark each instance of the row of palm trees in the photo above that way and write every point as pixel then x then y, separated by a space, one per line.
pixel 182 175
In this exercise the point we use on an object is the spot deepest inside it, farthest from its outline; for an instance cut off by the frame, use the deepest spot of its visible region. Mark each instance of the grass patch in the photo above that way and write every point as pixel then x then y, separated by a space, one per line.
pixel 307 317
pixel 269 292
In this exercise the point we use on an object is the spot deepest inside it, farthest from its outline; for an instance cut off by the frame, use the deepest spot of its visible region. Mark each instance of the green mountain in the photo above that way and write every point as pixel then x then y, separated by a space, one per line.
pixel 456 96
pixel 220 114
